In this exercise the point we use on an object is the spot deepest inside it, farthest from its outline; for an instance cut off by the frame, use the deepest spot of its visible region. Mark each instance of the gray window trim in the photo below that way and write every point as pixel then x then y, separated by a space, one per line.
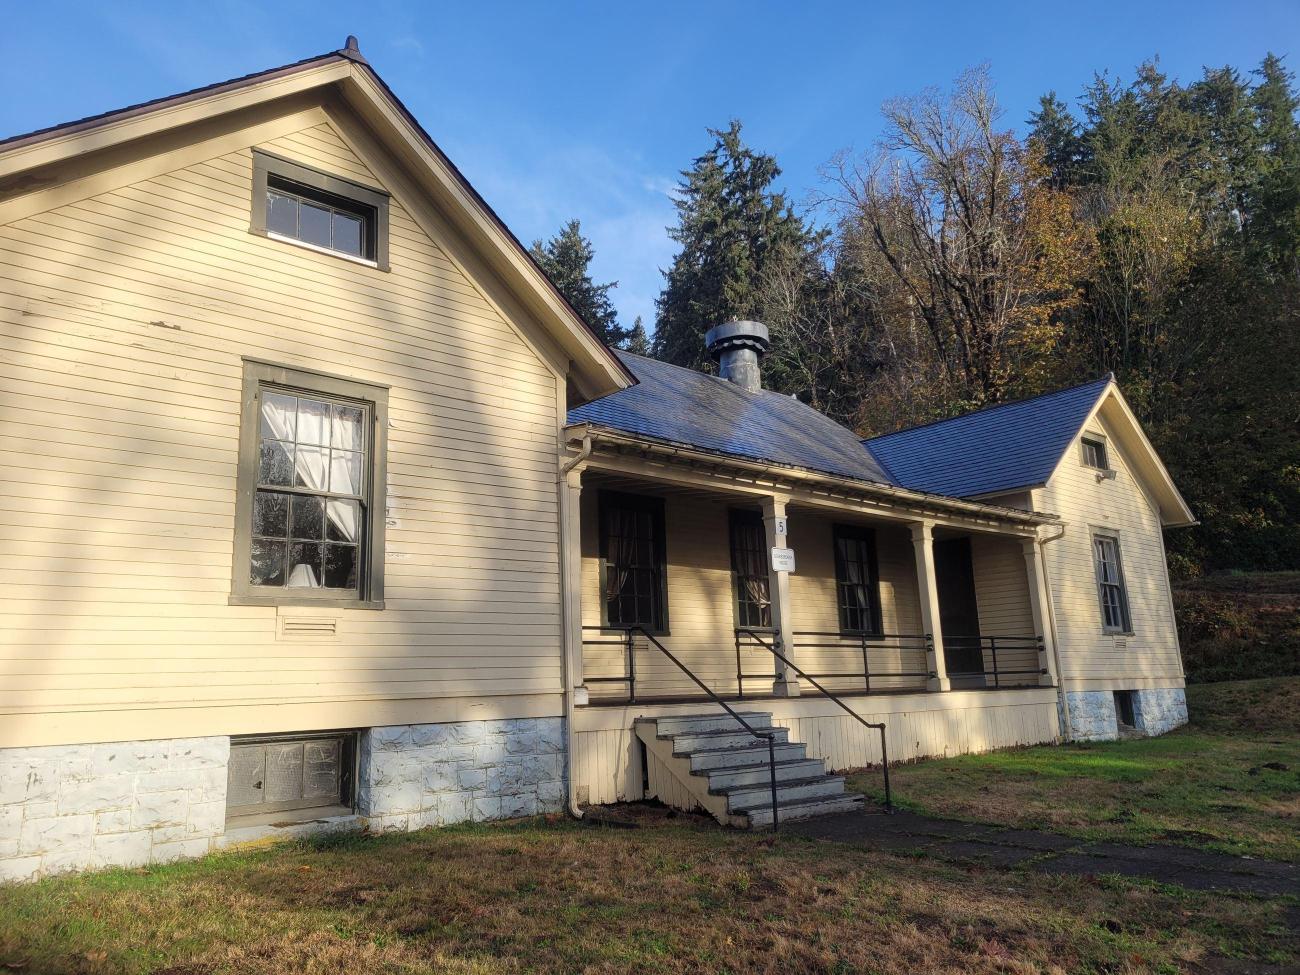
pixel 370 595
pixel 1127 628
pixel 266 163
pixel 1099 440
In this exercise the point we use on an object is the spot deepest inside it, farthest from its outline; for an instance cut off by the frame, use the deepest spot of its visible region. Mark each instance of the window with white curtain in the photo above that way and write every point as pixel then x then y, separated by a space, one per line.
pixel 311 450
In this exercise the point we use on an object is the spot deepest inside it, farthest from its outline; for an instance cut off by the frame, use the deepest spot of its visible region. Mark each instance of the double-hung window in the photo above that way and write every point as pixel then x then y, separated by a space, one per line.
pixel 632 563
pixel 1110 584
pixel 1094 453
pixel 749 568
pixel 309 518
pixel 856 582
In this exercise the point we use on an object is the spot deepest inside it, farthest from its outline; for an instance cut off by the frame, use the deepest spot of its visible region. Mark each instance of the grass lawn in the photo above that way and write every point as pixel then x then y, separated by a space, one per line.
pixel 678 895
pixel 1230 781
pixel 682 895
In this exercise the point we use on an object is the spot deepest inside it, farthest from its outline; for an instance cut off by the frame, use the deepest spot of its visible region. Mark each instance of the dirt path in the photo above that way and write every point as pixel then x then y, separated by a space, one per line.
pixel 1053 853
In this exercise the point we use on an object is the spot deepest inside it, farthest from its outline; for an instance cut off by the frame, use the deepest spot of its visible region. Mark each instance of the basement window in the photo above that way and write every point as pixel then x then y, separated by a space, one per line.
pixel 304 776
pixel 304 206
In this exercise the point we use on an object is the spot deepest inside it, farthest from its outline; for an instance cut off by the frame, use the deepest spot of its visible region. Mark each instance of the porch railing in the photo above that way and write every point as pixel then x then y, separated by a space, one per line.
pixel 992 667
pixel 858 647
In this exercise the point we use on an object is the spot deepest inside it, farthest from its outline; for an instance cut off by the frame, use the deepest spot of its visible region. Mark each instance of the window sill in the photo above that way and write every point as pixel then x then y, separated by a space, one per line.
pixel 295 242
pixel 322 602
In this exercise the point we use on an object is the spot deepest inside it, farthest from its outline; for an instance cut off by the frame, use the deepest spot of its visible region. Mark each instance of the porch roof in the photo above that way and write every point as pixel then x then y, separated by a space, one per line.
pixel 676 405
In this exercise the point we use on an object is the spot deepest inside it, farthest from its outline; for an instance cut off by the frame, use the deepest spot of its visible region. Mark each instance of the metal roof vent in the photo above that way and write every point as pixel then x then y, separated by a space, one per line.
pixel 738 347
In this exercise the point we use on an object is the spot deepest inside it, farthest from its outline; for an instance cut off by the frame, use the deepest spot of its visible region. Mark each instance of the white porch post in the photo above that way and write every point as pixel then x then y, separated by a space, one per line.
pixel 778 584
pixel 571 546
pixel 927 591
pixel 1034 572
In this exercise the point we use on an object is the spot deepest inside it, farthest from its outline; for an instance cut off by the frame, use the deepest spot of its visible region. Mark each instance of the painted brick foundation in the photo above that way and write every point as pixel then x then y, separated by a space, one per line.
pixel 439 774
pixel 70 807
pixel 1156 710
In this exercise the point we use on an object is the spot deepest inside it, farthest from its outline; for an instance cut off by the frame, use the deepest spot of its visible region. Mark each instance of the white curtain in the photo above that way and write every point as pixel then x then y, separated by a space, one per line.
pixel 307 429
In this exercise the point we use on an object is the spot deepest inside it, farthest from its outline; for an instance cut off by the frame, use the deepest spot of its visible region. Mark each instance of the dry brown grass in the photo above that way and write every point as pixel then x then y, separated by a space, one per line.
pixel 675 895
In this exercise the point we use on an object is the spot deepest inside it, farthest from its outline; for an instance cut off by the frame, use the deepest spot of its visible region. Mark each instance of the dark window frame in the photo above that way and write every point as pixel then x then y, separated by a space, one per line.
pixel 259 376
pixel 655 508
pixel 867 536
pixel 306 809
pixel 744 519
pixel 1098 444
pixel 1120 585
pixel 272 171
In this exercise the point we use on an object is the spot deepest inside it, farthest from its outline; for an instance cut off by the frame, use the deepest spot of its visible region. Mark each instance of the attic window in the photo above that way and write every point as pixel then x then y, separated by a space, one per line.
pixel 303 206
pixel 1094 453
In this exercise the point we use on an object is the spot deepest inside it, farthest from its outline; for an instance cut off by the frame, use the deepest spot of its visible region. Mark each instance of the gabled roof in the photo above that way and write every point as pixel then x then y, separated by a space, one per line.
pixel 682 406
pixel 1014 446
pixel 1001 448
pixel 346 72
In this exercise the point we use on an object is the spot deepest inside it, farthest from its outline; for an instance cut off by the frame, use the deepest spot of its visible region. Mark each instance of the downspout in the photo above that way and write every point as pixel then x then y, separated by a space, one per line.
pixel 566 670
pixel 1056 643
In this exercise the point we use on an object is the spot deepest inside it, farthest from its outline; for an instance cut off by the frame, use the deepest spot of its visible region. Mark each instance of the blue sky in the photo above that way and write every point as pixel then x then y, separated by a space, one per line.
pixel 557 110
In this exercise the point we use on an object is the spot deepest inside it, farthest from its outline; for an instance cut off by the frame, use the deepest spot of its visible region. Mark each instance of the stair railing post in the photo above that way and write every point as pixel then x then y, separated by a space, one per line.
pixel 740 670
pixel 866 668
pixel 631 667
pixel 771 767
pixel 884 768
pixel 993 646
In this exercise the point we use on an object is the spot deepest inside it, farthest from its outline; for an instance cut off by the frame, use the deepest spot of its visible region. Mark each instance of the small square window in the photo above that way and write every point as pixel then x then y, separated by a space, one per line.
pixel 1094 453
pixel 295 203
pixel 301 775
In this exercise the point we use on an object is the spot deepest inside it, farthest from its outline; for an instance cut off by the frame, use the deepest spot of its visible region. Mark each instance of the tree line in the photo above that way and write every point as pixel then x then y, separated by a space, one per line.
pixel 1151 230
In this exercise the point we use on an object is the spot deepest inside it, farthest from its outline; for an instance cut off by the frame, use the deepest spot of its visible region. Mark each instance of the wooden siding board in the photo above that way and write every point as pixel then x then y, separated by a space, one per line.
pixel 119 444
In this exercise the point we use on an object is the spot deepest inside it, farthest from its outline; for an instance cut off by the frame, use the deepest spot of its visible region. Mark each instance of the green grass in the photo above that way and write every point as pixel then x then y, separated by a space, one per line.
pixel 1229 782
pixel 678 895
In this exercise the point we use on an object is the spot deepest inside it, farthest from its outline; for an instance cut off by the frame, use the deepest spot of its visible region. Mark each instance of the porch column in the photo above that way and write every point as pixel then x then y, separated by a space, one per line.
pixel 571 564
pixel 778 584
pixel 927 591
pixel 1035 573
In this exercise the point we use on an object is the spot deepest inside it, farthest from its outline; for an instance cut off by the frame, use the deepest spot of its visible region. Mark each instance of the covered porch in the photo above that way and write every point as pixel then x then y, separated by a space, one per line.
pixel 677 588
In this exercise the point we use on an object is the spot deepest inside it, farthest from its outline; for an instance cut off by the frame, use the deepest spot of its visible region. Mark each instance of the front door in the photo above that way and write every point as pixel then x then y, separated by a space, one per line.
pixel 958 611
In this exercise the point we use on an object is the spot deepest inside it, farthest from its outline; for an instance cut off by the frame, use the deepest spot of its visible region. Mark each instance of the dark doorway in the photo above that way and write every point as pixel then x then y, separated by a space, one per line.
pixel 959 612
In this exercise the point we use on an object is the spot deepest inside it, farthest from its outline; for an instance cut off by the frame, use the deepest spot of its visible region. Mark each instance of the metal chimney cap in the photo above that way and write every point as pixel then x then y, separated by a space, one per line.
pixel 738 335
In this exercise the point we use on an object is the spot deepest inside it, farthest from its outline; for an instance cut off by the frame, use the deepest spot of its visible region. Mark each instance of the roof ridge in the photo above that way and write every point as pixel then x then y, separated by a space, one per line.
pixel 991 408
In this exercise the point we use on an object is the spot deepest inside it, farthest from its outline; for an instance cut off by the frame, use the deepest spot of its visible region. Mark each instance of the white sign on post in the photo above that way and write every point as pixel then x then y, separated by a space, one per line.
pixel 781 527
pixel 782 560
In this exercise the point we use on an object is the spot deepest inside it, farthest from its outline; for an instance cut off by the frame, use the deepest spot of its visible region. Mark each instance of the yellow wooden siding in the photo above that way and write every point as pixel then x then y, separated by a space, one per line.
pixel 1002 596
pixel 123 319
pixel 1090 657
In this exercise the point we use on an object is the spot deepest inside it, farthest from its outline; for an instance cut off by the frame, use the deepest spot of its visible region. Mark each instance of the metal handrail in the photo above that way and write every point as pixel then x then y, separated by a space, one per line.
pixel 991 643
pixel 769 736
pixel 878 725
pixel 838 640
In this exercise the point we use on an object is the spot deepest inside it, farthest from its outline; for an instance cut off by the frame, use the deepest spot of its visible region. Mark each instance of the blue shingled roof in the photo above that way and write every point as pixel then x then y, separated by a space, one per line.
pixel 688 407
pixel 1002 448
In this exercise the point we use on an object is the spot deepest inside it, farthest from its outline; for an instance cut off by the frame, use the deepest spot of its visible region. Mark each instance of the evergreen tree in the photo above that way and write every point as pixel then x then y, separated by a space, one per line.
pixel 1057 132
pixel 1273 207
pixel 566 259
pixel 637 342
pixel 731 226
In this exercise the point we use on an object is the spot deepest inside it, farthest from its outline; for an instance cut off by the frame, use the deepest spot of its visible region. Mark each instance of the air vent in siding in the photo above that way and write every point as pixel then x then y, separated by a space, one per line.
pixel 1121 642
pixel 307 628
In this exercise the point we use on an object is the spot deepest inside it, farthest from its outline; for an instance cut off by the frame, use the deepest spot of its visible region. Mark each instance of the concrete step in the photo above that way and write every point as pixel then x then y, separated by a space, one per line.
pixel 754 754
pixel 679 724
pixel 803 809
pixel 759 775
pixel 695 740
pixel 741 798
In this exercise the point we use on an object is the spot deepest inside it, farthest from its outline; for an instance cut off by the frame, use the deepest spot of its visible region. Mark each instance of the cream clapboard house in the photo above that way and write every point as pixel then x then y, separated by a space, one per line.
pixel 322 509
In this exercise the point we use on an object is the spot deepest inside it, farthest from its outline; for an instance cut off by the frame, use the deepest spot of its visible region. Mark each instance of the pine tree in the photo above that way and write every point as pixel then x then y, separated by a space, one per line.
pixel 637 342
pixel 1057 132
pixel 1273 207
pixel 566 259
pixel 731 226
